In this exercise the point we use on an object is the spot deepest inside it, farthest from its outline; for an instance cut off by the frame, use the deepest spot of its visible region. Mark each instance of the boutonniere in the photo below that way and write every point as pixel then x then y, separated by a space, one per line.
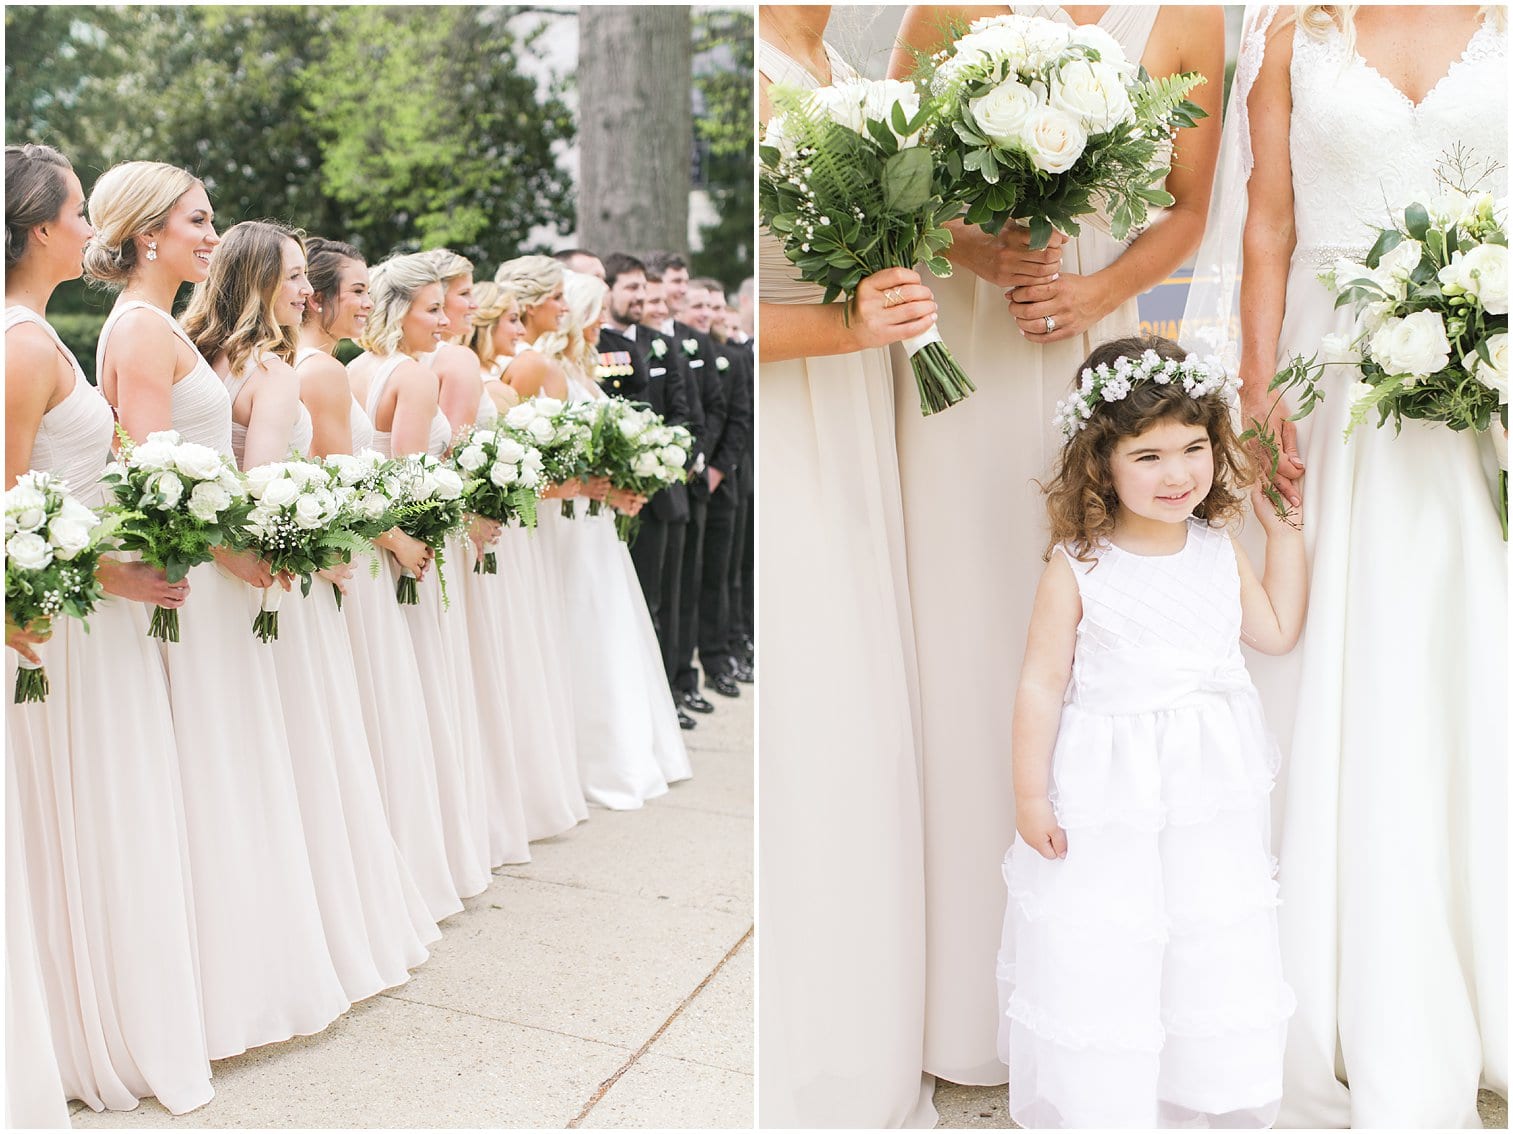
pixel 659 348
pixel 691 347
pixel 722 363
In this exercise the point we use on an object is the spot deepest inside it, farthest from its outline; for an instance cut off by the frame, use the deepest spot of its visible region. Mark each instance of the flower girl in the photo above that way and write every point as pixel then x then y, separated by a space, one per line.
pixel 1140 977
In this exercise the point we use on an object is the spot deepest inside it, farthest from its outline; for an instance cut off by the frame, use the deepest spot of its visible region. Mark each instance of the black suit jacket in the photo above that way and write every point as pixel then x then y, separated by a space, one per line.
pixel 611 381
pixel 667 393
pixel 704 379
pixel 733 452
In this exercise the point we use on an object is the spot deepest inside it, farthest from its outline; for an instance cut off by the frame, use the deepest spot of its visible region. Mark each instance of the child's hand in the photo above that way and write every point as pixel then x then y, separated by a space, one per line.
pixel 1036 822
pixel 1266 512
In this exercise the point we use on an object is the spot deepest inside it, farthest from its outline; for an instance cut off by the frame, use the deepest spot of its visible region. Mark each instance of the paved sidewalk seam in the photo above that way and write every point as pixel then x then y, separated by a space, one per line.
pixel 500 1020
pixel 702 907
pixel 608 1084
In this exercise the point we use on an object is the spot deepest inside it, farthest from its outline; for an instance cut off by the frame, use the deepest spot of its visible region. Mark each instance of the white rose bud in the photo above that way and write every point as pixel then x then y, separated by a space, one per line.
pixel 1414 345
pixel 72 510
pixel 1109 49
pixel 68 537
pixel 170 487
pixel 28 551
pixel 520 416
pixel 1054 140
pixel 547 406
pixel 373 505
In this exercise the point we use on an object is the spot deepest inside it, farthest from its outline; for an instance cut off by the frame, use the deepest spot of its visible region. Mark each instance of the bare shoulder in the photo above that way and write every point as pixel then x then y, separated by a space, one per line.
pixel 322 372
pixel 31 354
pixel 141 335
pixel 929 27
pixel 415 377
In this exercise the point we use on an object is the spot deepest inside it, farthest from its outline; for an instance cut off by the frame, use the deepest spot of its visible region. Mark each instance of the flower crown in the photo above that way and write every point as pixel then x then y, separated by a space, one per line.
pixel 1104 383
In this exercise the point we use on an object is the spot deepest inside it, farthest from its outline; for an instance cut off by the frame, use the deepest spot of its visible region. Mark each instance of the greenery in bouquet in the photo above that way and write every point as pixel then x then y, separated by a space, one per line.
pixel 501 481
pixel 177 503
pixel 294 525
pixel 1050 123
pixel 1429 341
pixel 849 189
pixel 52 549
pixel 558 432
pixel 431 509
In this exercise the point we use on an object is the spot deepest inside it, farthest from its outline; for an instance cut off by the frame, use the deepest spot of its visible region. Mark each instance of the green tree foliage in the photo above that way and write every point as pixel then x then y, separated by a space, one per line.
pixel 724 124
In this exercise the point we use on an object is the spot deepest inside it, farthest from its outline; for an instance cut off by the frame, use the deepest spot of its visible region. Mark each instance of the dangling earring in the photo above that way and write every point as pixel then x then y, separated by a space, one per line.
pixel 152 249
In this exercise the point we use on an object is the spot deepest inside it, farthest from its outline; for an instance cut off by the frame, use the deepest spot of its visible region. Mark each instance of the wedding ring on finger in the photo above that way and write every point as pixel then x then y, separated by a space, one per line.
pixel 892 297
pixel 1050 324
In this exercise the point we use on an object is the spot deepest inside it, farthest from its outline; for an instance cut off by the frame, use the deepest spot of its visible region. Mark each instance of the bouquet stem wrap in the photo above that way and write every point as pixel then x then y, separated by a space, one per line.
pixel 31 682
pixel 265 625
pixel 408 590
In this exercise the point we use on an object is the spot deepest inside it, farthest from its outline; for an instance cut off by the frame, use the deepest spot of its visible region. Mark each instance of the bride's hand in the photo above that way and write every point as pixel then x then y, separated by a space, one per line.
pixel 1073 303
pixel 890 306
pixel 1277 415
pixel 1005 260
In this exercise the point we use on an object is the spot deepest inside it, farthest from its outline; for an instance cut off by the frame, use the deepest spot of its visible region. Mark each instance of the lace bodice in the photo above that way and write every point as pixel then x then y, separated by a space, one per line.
pixel 1154 626
pixel 441 429
pixel 361 427
pixel 73 439
pixel 1360 147
pixel 200 405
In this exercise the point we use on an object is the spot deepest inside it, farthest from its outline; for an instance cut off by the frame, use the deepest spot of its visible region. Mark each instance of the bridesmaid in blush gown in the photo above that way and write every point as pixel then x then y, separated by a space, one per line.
pixel 266 971
pixel 1394 828
pixel 388 680
pixel 970 568
pixel 842 959
pixel 243 320
pixel 98 899
pixel 401 397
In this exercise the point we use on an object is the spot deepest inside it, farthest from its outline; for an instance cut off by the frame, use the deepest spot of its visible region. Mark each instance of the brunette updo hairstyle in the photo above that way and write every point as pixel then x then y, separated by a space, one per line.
pixel 35 189
pixel 324 261
pixel 1080 498
pixel 130 200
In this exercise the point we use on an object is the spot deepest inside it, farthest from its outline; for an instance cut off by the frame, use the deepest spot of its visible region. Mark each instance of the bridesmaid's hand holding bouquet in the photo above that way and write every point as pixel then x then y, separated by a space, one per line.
pixel 432 510
pixel 501 480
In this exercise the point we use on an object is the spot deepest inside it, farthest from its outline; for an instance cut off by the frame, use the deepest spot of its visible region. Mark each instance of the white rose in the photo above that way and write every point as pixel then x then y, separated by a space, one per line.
pixel 548 406
pixel 484 437
pixel 1395 267
pixel 1481 273
pixel 1493 375
pixel 503 474
pixel 1046 39
pixel 304 473
pixel 842 104
pixel 674 455
pixel 310 511
pixel 472 458
pixel 448 484
pixel 25 509
pixel 259 478
pixel 1373 315
pixel 349 470
pixel 28 551
pixel 531 468
pixel 164 437
pixel 1414 345
pixel 1054 140
pixel 520 416
pixel 71 509
pixel 1357 391
pixel 1108 48
pixel 231 480
pixel 1094 93
pixel 1003 113
pixel 510 450
pixel 631 426
pixel 169 487
pixel 541 429
pixel 207 500
pixel 280 492
pixel 373 505
pixel 152 455
pixel 645 464
pixel 69 537
pixel 262 521
pixel 780 138
pixel 882 96
pixel 1339 349
pixel 197 462
pixel 1346 272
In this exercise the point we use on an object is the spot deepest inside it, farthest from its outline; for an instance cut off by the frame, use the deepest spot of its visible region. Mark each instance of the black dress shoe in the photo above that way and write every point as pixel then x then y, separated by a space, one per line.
pixel 685 721
pixel 690 699
pixel 723 684
pixel 742 672
pixel 748 650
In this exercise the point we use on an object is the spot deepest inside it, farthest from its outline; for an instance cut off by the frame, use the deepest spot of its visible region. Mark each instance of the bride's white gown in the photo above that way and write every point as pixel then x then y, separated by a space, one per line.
pixel 1394 828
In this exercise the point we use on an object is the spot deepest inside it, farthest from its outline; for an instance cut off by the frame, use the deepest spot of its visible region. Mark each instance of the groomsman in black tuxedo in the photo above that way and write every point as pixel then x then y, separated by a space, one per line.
pixel 704 578
pixel 661 386
pixel 663 349
pixel 742 647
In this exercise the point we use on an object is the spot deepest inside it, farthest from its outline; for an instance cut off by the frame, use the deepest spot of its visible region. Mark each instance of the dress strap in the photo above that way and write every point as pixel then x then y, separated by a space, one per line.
pixel 235 385
pixel 1131 25
pixel 131 305
pixel 304 353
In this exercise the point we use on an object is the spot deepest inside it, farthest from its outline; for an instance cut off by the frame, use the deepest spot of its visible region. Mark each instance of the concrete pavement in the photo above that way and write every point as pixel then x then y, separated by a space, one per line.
pixel 608 983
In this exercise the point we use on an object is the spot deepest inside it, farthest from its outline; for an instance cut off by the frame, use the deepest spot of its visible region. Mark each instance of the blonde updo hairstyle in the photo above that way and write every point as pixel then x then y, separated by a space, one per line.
pixel 449 265
pixel 392 286
pixel 232 311
pixel 584 296
pixel 532 278
pixel 131 199
pixel 35 189
pixel 494 300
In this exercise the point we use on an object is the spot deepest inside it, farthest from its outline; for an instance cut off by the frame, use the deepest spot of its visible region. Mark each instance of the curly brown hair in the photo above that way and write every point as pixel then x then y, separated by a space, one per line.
pixel 1080 498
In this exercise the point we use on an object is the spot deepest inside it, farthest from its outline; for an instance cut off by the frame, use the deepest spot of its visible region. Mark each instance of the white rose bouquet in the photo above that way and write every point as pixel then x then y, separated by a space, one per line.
pixel 558 432
pixel 1049 122
pixel 368 492
pixel 849 189
pixel 52 547
pixel 637 451
pixel 1430 338
pixel 431 508
pixel 295 526
pixel 501 479
pixel 178 502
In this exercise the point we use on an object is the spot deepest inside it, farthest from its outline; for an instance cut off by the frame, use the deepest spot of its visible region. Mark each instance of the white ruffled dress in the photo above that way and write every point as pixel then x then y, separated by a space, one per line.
pixel 1140 979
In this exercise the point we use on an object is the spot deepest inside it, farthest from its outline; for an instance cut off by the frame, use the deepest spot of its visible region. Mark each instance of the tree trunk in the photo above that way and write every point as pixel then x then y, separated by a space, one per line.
pixel 635 128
